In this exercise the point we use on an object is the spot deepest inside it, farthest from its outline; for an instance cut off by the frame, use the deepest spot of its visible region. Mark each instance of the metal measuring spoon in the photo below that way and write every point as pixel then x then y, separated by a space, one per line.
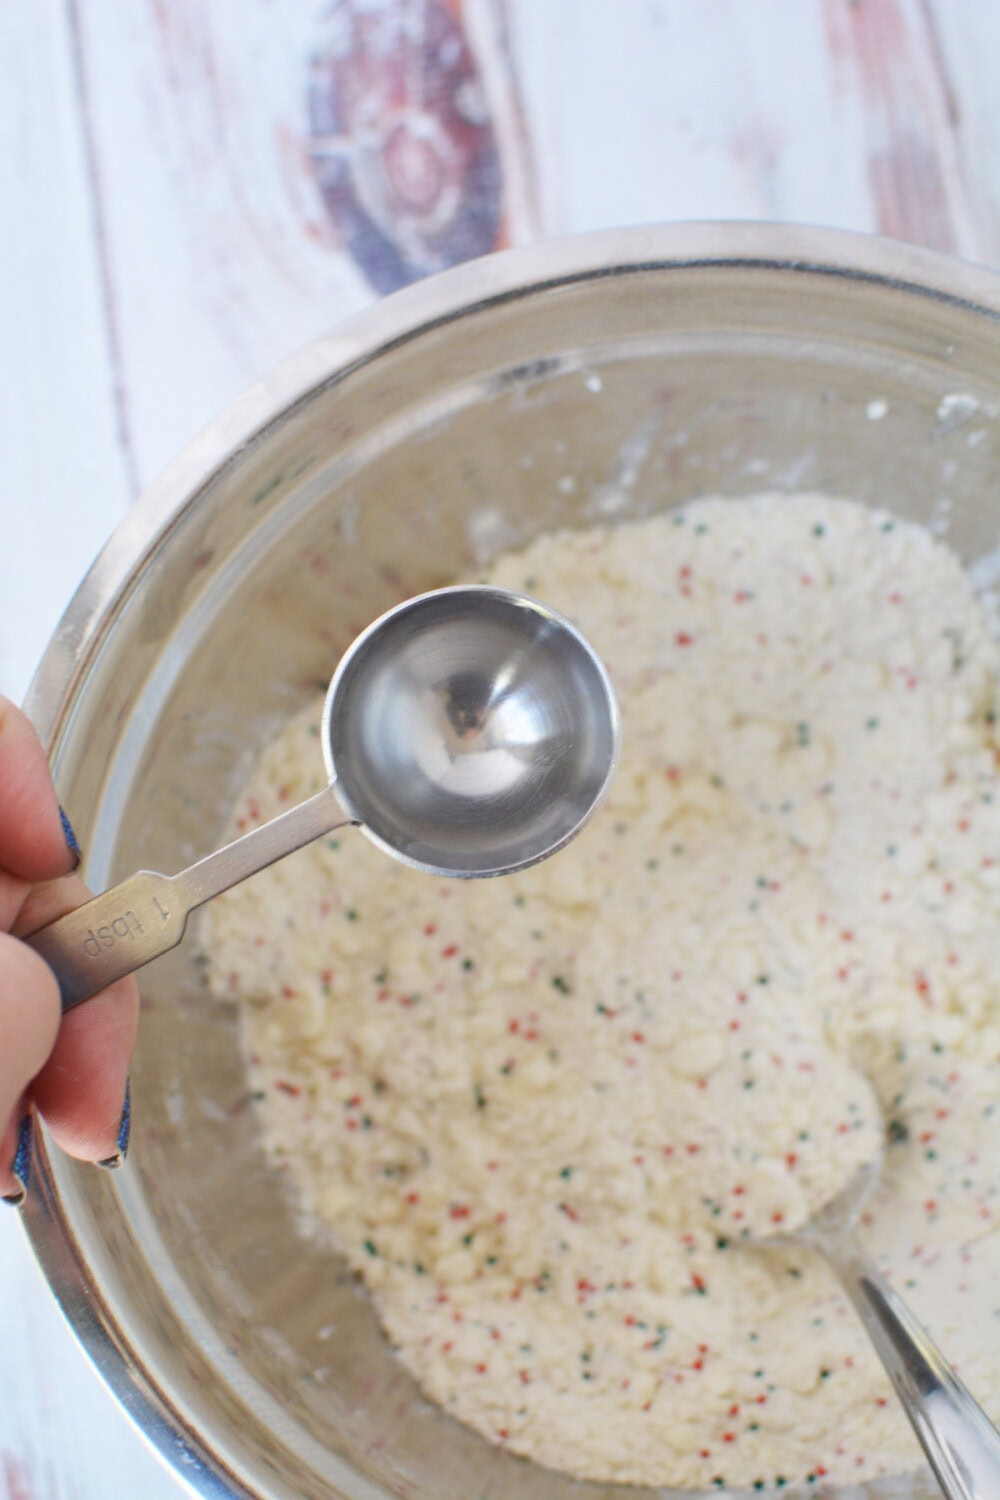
pixel 960 1441
pixel 468 732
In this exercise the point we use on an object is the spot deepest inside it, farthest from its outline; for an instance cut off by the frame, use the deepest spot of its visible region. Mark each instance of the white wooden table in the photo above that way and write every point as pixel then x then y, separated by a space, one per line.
pixel 192 188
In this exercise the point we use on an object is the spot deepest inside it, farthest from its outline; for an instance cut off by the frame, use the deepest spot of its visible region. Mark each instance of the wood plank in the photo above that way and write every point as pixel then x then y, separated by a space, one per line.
pixel 64 479
pixel 825 112
pixel 64 484
pixel 251 196
pixel 965 39
pixel 62 1436
pixel 219 262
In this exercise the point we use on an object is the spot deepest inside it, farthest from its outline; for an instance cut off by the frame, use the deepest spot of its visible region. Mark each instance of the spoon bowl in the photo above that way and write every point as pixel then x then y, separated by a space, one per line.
pixel 470 731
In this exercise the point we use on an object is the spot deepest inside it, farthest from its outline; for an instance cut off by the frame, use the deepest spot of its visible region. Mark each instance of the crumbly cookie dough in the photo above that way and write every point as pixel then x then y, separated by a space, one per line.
pixel 546 1117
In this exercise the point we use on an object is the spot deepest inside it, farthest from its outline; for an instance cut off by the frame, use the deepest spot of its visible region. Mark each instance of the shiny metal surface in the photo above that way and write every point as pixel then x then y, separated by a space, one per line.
pixel 469 732
pixel 567 384
pixel 962 1445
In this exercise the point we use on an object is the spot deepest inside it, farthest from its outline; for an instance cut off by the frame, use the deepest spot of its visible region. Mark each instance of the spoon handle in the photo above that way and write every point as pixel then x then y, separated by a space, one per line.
pixel 960 1441
pixel 145 915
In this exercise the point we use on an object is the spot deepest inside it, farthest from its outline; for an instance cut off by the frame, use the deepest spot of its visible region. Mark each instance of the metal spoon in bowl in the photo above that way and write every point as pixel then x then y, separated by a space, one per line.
pixel 961 1444
pixel 468 732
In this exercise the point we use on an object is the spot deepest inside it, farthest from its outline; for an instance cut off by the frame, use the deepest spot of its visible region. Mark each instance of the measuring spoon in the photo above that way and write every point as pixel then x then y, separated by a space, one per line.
pixel 468 732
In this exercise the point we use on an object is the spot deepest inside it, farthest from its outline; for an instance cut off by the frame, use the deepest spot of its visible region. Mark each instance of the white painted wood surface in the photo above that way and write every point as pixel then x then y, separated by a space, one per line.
pixel 190 189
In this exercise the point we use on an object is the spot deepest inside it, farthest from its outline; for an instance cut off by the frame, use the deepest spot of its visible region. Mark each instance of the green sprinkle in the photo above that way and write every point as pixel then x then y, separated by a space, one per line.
pixel 871 723
pixel 467 1239
pixel 721 1242
pixel 418 1268
pixel 897 1131
pixel 677 848
pixel 333 844
pixel 803 732
pixel 468 963
pixel 369 1246
pixel 819 531
pixel 566 1172
pixel 381 976
pixel 480 1096
pixel 560 984
pixel 351 914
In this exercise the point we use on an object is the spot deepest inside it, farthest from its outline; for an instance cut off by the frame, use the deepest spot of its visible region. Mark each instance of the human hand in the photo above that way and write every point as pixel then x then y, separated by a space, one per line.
pixel 71 1069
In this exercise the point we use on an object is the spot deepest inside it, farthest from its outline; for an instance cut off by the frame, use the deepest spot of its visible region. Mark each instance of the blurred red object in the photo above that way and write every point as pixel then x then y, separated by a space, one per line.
pixel 401 140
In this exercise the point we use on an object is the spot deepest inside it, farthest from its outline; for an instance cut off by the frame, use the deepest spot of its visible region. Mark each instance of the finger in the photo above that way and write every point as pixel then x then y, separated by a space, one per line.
pixel 81 1090
pixel 36 843
pixel 15 1154
pixel 29 1022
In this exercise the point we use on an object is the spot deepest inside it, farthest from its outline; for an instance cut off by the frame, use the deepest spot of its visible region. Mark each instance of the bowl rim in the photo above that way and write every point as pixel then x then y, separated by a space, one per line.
pixel 402 316
pixel 462 291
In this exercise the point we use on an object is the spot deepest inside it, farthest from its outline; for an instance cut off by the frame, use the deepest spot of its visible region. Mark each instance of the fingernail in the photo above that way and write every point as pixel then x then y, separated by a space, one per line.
pixel 20 1167
pixel 70 836
pixel 124 1130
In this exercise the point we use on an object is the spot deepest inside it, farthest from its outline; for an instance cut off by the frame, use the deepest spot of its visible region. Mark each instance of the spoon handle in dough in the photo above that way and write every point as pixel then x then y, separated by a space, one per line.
pixel 145 915
pixel 960 1442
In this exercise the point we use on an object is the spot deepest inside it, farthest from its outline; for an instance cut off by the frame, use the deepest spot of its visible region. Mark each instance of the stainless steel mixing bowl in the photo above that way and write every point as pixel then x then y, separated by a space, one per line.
pixel 588 379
